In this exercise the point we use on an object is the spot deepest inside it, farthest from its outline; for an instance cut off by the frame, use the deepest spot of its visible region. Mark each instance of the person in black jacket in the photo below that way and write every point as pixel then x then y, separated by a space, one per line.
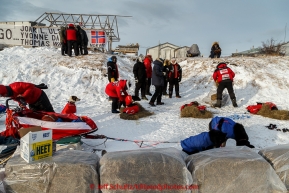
pixel 112 70
pixel 166 69
pixel 174 77
pixel 82 41
pixel 158 81
pixel 63 40
pixel 215 50
pixel 139 72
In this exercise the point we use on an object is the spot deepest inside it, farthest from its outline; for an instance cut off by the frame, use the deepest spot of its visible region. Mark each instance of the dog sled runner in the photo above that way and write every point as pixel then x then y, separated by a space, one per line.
pixel 61 125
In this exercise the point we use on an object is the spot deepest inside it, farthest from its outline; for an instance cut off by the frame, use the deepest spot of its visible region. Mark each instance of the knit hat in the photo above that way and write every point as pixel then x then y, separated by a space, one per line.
pixel 3 90
pixel 73 99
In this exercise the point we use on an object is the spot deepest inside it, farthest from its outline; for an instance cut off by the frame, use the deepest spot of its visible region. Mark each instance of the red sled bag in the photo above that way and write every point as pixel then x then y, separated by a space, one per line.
pixel 254 109
pixel 195 103
pixel 190 104
pixel 201 108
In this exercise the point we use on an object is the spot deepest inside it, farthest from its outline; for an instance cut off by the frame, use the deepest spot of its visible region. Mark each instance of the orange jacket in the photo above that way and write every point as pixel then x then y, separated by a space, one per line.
pixel 117 89
pixel 148 64
pixel 69 108
pixel 27 90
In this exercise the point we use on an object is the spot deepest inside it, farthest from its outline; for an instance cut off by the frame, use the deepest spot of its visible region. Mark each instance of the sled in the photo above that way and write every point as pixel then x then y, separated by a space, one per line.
pixel 62 125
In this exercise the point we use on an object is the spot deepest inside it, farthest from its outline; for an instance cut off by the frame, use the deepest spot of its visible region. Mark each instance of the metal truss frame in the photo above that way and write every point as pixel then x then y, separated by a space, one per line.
pixel 108 23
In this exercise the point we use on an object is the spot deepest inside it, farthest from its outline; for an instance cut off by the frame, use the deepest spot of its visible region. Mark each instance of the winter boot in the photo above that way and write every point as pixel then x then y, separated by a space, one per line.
pixel 218 104
pixel 152 104
pixel 234 102
pixel 178 95
pixel 144 98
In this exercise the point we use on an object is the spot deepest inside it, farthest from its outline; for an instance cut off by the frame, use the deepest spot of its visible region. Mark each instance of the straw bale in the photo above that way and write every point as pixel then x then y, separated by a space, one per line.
pixel 67 171
pixel 214 97
pixel 233 170
pixel 265 111
pixel 211 98
pixel 150 167
pixel 142 113
pixel 278 157
pixel 194 112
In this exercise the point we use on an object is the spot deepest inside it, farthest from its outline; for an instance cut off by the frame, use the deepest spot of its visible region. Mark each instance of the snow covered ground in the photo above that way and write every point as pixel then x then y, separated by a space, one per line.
pixel 262 79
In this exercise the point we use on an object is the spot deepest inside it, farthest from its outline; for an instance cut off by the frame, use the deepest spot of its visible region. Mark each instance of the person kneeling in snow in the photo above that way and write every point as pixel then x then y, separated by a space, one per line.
pixel 70 107
pixel 25 92
pixel 203 141
pixel 131 108
pixel 117 92
pixel 232 130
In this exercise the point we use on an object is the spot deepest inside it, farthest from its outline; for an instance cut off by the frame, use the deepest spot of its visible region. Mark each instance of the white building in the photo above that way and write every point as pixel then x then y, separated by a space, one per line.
pixel 167 51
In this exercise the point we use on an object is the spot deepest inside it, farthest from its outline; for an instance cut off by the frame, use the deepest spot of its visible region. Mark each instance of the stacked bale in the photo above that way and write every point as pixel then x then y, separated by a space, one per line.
pixel 211 98
pixel 266 111
pixel 67 171
pixel 146 170
pixel 142 113
pixel 194 112
pixel 233 169
pixel 278 157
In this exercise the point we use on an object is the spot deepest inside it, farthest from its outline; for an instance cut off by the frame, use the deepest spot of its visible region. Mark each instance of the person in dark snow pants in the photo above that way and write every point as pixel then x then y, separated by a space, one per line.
pixel 232 130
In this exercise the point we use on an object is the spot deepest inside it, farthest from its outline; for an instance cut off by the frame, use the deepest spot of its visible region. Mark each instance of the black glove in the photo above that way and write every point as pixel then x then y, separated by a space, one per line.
pixel 249 145
pixel 244 143
pixel 179 80
pixel 41 86
pixel 136 80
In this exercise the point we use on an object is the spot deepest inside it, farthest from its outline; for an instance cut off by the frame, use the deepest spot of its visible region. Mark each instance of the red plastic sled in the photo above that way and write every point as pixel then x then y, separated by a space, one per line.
pixel 70 125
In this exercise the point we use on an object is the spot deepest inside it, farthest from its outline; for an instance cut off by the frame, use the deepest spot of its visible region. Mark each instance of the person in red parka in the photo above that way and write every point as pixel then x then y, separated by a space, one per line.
pixel 70 107
pixel 71 37
pixel 131 108
pixel 223 76
pixel 28 93
pixel 148 65
pixel 117 92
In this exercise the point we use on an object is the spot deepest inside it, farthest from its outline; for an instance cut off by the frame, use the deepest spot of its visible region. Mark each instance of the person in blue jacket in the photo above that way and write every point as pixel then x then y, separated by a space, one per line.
pixel 232 130
pixel 203 141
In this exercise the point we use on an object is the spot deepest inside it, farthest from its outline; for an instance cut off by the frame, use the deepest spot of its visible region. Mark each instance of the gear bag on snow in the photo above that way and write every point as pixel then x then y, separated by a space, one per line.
pixel 254 109
pixel 195 103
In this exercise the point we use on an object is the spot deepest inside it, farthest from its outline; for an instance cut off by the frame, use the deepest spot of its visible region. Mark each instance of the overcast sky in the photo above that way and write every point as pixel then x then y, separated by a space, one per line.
pixel 235 24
